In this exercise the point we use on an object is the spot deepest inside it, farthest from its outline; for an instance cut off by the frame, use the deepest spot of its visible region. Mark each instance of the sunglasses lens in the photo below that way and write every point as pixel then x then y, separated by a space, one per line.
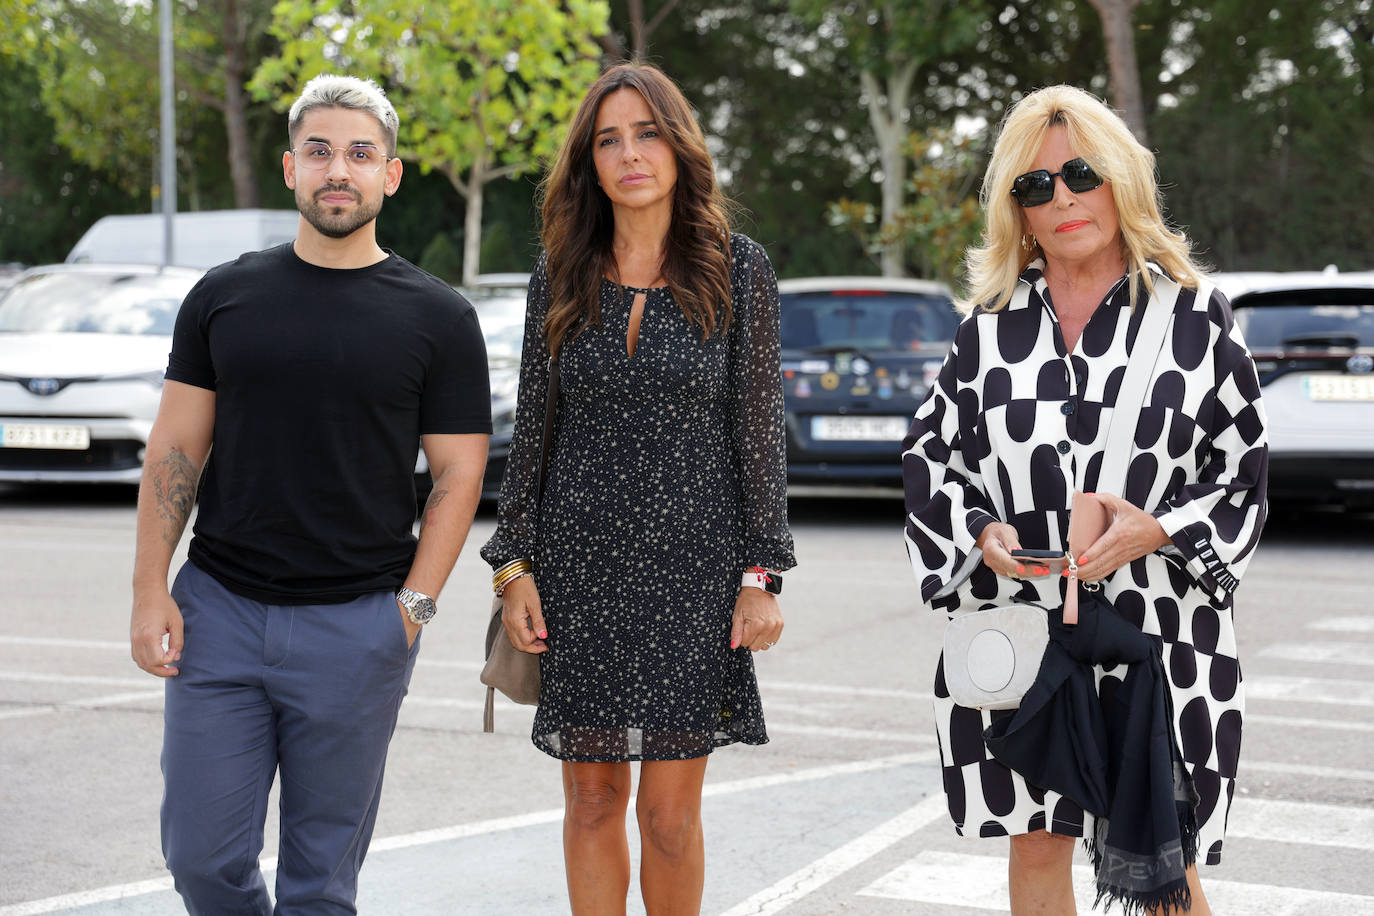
pixel 1033 188
pixel 1080 177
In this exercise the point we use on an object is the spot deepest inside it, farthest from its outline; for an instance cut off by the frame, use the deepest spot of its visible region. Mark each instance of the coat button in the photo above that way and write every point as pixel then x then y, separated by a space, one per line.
pixel 1067 408
pixel 1064 446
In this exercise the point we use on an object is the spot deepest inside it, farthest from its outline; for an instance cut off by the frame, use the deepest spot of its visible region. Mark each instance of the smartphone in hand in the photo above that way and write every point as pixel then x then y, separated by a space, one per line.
pixel 1054 562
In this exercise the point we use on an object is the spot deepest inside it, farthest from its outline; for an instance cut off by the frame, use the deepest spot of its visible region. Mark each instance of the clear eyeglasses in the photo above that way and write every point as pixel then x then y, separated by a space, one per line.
pixel 360 157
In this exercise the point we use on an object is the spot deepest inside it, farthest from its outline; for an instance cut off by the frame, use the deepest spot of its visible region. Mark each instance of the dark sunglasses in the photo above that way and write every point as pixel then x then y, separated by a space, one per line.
pixel 1035 188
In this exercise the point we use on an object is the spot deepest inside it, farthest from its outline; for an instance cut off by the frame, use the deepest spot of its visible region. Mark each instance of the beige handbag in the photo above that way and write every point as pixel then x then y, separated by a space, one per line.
pixel 507 669
pixel 514 673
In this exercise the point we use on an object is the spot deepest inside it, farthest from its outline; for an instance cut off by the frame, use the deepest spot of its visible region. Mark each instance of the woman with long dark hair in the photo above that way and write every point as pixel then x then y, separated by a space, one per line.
pixel 645 575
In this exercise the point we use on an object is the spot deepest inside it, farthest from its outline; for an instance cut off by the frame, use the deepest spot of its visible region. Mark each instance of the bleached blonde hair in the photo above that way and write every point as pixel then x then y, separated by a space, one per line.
pixel 332 91
pixel 1097 134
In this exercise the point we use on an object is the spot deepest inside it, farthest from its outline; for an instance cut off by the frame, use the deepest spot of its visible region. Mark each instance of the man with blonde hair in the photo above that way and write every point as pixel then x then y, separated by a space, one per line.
pixel 288 638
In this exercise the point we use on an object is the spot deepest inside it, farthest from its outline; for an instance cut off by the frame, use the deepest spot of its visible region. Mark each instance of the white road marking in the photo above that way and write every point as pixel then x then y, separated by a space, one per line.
pixel 1343 624
pixel 494 825
pixel 1302 769
pixel 67 546
pixel 113 699
pixel 980 882
pixel 1336 653
pixel 1311 690
pixel 844 690
pixel 1302 722
pixel 857 734
pixel 1301 823
pixel 820 872
pixel 49 642
pixel 43 677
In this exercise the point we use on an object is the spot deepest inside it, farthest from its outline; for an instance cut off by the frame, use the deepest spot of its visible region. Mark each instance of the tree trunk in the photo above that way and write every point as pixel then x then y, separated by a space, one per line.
pixel 472 220
pixel 242 173
pixel 886 106
pixel 1121 62
pixel 638 37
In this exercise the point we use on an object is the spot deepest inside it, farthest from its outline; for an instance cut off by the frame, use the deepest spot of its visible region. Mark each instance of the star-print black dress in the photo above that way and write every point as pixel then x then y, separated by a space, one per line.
pixel 1013 425
pixel 667 479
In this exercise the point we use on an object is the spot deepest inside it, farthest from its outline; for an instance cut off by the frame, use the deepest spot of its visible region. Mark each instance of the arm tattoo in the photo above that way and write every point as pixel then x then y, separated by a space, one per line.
pixel 174 487
pixel 435 497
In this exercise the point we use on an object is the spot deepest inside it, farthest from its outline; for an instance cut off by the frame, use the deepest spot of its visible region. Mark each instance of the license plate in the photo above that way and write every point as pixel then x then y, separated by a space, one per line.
pixel 38 435
pixel 1339 387
pixel 859 429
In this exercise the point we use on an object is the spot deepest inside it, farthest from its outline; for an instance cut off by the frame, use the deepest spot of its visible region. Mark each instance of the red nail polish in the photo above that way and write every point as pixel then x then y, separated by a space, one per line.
pixel 543 634
pixel 734 644
pixel 1020 570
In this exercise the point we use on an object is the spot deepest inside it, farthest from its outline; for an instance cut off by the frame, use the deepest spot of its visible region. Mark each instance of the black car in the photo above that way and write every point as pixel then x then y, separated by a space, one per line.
pixel 858 354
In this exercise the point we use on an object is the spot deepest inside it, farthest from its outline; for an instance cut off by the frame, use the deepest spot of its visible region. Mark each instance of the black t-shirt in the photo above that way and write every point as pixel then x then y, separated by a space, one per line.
pixel 324 381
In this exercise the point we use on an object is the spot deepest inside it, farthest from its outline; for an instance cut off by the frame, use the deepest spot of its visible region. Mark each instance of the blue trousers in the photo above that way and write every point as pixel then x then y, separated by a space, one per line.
pixel 310 691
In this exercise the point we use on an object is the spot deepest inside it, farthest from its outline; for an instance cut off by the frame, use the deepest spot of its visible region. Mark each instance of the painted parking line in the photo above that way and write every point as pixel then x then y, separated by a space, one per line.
pixel 980 882
pixel 1301 823
pixel 804 881
pixel 1345 725
pixel 1343 624
pixel 1329 653
pixel 1307 770
pixel 98 702
pixel 495 825
pixel 1311 690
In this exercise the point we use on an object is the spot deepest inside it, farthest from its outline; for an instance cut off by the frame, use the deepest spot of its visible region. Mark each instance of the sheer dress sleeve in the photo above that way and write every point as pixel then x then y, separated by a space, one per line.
pixel 759 437
pixel 517 513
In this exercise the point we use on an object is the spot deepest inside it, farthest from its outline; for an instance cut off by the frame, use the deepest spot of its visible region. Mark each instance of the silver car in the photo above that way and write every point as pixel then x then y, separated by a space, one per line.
pixel 1312 336
pixel 82 353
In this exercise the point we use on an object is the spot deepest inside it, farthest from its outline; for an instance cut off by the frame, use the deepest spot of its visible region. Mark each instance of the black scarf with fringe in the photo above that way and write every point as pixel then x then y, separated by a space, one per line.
pixel 1115 755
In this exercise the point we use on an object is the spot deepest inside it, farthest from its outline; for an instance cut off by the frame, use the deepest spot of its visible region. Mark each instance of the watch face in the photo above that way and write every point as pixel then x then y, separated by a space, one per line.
pixel 772 582
pixel 420 608
pixel 422 611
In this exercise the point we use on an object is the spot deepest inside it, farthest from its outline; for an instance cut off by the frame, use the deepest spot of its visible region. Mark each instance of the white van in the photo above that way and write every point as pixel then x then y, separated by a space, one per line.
pixel 201 238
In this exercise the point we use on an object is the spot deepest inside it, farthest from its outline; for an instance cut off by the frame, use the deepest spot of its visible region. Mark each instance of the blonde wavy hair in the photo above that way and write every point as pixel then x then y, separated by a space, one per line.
pixel 1097 134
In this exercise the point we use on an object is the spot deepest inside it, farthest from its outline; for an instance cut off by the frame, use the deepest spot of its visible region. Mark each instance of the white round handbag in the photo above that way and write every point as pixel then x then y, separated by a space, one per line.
pixel 992 657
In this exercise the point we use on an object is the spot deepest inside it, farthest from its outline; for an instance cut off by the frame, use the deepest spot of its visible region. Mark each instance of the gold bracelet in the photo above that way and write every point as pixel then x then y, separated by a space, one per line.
pixel 509 571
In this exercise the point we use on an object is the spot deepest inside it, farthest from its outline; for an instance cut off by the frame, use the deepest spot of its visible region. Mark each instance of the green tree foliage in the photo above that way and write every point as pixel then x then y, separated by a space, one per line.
pixel 484 88
pixel 892 44
pixel 777 105
pixel 97 61
pixel 47 199
pixel 942 217
pixel 1265 128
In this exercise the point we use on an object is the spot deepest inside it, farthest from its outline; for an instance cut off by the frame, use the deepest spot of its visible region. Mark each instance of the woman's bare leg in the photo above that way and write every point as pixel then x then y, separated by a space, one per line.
pixel 672 871
pixel 1040 874
pixel 1200 906
pixel 595 850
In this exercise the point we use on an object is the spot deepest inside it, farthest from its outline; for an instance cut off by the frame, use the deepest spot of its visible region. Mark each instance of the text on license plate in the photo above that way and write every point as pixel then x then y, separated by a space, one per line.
pixel 1339 387
pixel 40 435
pixel 859 429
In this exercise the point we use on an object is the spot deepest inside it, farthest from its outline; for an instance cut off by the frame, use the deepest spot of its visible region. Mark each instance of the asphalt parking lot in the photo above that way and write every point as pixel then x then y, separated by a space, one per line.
pixel 840 813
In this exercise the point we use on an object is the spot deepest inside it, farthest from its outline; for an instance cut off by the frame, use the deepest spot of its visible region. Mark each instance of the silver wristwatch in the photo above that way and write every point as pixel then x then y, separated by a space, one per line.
pixel 419 608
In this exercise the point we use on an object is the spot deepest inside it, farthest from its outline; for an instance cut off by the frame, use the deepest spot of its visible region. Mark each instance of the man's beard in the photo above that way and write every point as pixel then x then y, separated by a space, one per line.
pixel 337 225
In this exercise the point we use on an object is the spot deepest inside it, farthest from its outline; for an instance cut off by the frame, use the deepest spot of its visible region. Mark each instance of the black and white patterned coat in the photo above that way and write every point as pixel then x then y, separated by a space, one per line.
pixel 1012 427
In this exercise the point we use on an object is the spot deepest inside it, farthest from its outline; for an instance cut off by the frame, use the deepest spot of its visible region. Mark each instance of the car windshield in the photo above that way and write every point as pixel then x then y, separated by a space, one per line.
pixel 94 303
pixel 1279 327
pixel 866 320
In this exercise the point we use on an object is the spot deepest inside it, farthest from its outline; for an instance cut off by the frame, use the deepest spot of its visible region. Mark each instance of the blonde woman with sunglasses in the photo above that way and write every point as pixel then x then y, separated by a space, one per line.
pixel 1074 255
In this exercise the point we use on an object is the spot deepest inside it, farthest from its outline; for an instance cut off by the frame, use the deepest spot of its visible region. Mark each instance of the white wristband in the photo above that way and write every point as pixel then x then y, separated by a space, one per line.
pixel 754 580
